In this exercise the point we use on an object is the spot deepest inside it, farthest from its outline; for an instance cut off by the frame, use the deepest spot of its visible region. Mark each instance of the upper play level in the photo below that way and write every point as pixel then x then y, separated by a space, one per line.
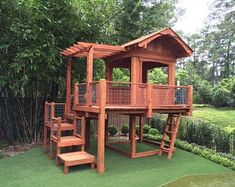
pixel 159 49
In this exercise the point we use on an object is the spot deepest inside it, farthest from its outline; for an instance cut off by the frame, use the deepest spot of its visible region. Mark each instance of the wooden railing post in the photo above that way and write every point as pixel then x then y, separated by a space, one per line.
pixel 149 100
pixel 101 127
pixel 52 111
pixel 75 99
pixel 190 99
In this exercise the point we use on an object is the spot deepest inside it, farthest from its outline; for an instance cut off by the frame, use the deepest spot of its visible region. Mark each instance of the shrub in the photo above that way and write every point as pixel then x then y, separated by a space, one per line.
pixel 146 129
pixel 203 133
pixel 112 130
pixel 125 129
pixel 158 122
pixel 221 96
pixel 153 131
pixel 223 159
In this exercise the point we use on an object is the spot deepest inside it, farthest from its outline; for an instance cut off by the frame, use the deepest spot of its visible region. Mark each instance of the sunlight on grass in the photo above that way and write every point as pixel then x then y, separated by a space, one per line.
pixel 224 118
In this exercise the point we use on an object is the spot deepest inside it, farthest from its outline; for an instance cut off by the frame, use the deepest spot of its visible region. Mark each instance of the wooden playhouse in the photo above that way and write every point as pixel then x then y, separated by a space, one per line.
pixel 137 98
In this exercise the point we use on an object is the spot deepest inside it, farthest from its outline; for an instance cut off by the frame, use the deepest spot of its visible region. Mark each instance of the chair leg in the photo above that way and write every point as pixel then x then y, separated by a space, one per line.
pixel 58 161
pixel 51 150
pixel 66 169
pixel 93 165
pixel 57 158
pixel 45 140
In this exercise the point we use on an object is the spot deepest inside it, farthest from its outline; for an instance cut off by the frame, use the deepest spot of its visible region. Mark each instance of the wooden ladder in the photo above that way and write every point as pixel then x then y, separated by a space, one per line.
pixel 169 135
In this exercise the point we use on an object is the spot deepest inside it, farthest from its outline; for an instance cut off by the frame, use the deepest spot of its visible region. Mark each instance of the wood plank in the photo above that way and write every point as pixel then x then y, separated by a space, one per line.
pixel 147 153
pixel 118 150
pixel 89 76
pixel 133 134
pixel 68 86
pixel 101 127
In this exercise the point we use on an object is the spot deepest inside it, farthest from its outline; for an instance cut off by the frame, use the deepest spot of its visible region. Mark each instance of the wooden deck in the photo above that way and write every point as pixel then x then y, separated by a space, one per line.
pixel 133 98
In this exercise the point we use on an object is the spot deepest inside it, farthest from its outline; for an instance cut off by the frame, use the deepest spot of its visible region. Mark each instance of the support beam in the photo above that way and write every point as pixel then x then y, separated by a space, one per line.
pixel 83 124
pixel 68 86
pixel 89 76
pixel 171 74
pixel 133 132
pixel 101 127
pixel 134 79
pixel 141 128
pixel 106 130
pixel 87 133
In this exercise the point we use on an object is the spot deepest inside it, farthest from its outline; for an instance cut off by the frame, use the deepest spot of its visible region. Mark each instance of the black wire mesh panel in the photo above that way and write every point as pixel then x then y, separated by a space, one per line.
pixel 81 94
pixel 181 96
pixel 60 111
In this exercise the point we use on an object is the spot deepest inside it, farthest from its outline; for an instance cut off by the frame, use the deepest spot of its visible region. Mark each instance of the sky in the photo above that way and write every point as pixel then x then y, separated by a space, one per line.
pixel 196 11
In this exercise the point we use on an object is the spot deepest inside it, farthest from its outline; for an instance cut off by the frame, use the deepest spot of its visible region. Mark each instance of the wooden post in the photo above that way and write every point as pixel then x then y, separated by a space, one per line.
pixel 68 86
pixel 87 133
pixel 45 127
pixel 101 127
pixel 190 100
pixel 171 74
pixel 133 142
pixel 141 129
pixel 89 76
pixel 134 77
pixel 75 97
pixel 149 100
pixel 83 123
pixel 106 130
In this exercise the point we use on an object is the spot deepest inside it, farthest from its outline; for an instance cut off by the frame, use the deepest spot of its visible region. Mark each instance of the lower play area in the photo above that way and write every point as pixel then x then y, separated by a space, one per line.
pixel 33 167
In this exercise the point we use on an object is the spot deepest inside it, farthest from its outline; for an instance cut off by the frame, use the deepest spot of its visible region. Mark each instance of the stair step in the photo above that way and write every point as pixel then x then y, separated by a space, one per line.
pixel 65 126
pixel 76 158
pixel 68 141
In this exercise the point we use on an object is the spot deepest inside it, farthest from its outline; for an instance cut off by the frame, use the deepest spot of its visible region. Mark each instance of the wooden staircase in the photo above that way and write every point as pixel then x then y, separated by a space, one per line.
pixel 169 135
pixel 61 141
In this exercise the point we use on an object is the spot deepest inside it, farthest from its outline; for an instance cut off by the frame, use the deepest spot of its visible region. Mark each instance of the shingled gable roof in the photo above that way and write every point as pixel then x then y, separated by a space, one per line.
pixel 145 40
pixel 80 49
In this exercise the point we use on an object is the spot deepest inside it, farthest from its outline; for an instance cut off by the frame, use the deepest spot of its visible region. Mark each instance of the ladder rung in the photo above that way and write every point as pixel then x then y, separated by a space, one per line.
pixel 169 132
pixel 171 123
pixel 165 149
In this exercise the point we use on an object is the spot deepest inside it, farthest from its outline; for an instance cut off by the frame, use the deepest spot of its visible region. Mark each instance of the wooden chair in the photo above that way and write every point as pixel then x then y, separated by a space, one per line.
pixel 65 141
pixel 49 113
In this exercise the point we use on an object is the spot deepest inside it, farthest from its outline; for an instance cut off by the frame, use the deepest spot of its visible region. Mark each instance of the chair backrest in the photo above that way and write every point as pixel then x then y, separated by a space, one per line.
pixel 56 127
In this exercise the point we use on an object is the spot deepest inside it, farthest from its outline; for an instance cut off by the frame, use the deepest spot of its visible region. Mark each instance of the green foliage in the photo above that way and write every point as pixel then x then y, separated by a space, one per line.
pixel 153 131
pixel 125 129
pixel 202 89
pixel 226 160
pixel 157 76
pixel 121 75
pixel 137 130
pixel 158 122
pixel 223 93
pixel 203 133
pixel 112 130
pixel 146 129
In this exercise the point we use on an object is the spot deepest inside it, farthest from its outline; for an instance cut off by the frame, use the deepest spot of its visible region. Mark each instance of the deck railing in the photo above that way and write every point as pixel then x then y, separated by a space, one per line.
pixel 132 94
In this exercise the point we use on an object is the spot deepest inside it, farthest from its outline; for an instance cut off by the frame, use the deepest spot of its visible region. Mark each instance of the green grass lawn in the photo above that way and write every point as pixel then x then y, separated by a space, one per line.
pixel 35 169
pixel 222 117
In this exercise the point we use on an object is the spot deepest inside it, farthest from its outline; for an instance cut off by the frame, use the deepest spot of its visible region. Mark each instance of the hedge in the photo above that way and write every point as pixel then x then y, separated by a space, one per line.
pixel 226 160
pixel 200 132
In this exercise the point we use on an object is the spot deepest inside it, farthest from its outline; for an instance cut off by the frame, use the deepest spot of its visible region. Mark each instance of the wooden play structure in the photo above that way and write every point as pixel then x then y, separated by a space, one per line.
pixel 137 98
